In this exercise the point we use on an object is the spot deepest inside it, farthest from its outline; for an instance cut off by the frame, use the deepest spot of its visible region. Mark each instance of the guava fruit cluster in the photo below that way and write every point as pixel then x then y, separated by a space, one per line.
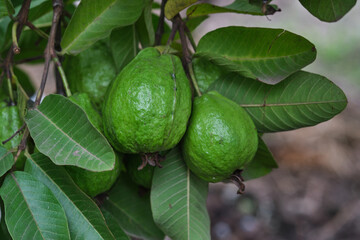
pixel 148 108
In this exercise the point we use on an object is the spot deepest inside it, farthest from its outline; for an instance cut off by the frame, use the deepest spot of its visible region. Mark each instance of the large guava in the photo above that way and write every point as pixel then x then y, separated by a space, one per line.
pixel 148 105
pixel 91 71
pixel 221 138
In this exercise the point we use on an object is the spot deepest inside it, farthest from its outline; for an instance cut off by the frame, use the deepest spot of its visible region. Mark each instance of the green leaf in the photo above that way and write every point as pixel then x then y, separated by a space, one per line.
pixel 85 218
pixel 24 81
pixel 266 54
pixel 95 19
pixel 31 210
pixel 4 232
pixel 178 200
pixel 10 122
pixel 206 72
pixel 6 160
pixel 62 131
pixel 302 99
pixel 238 6
pixel 6 8
pixel 328 10
pixel 124 45
pixel 173 7
pixel 144 26
pixel 114 226
pixel 262 163
pixel 4 33
pixel 131 210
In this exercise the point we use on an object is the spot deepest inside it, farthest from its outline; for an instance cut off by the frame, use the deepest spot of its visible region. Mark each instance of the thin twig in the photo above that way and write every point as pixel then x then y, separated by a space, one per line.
pixel 20 21
pixel 16 133
pixel 186 55
pixel 160 27
pixel 191 39
pixel 25 60
pixel 60 77
pixel 15 47
pixel 50 47
pixel 37 30
pixel 174 29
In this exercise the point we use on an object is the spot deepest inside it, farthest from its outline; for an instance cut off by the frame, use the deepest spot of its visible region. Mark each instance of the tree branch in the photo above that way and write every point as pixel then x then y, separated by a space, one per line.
pixel 50 52
pixel 160 27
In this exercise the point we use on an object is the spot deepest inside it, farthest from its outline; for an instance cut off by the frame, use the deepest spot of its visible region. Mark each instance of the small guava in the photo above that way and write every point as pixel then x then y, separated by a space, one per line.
pixel 221 138
pixel 143 176
pixel 91 71
pixel 148 105
pixel 94 183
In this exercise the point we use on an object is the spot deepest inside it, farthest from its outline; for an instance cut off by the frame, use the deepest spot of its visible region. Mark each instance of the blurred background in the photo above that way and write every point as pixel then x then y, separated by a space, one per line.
pixel 315 192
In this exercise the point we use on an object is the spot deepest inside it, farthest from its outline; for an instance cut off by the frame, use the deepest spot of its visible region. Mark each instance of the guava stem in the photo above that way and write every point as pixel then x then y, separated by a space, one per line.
pixel 63 76
pixel 15 46
pixel 153 159
pixel 193 79
pixel 238 180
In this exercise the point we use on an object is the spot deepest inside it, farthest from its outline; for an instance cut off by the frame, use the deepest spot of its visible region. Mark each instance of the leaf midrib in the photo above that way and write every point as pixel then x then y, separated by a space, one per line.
pixel 70 138
pixel 88 26
pixel 129 216
pixel 290 104
pixel 249 59
pixel 67 197
pixel 37 225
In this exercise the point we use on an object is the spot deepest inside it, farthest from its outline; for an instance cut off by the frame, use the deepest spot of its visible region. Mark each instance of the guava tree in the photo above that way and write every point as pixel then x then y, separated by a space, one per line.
pixel 144 117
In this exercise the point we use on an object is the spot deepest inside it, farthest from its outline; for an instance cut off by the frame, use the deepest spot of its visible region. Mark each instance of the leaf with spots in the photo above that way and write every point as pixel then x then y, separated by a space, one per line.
pixel 303 99
pixel 62 131
pixel 31 209
pixel 328 10
pixel 269 55
pixel 178 200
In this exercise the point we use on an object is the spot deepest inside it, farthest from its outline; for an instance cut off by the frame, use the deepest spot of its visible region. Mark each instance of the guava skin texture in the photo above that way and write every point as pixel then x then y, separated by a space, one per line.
pixel 141 177
pixel 148 105
pixel 94 183
pixel 220 139
pixel 91 71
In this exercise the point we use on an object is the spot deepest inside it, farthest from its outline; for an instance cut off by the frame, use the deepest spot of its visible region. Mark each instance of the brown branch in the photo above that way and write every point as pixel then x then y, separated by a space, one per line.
pixel 174 29
pixel 16 133
pixel 160 27
pixel 21 19
pixel 30 59
pixel 50 52
pixel 186 56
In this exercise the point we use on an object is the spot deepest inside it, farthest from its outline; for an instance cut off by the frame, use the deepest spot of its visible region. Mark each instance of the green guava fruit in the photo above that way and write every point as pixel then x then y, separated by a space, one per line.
pixel 10 122
pixel 91 71
pixel 83 101
pixel 220 139
pixel 94 183
pixel 141 177
pixel 148 105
